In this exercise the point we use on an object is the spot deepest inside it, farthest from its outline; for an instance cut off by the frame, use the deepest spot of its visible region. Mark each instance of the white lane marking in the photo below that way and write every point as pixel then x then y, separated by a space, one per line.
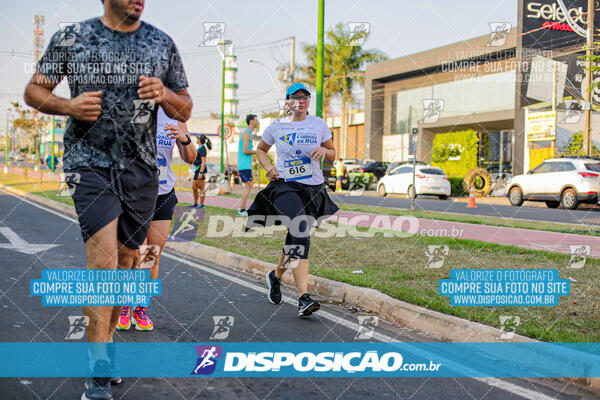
pixel 17 243
pixel 498 383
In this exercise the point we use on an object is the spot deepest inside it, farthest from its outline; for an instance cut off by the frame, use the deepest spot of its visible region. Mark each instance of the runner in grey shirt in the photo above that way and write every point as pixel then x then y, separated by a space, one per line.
pixel 118 69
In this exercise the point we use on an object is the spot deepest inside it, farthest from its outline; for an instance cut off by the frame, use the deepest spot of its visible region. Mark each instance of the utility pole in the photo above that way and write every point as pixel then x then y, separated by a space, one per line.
pixel 587 134
pixel 223 53
pixel 554 103
pixel 38 48
pixel 52 166
pixel 6 146
pixel 320 43
pixel 292 58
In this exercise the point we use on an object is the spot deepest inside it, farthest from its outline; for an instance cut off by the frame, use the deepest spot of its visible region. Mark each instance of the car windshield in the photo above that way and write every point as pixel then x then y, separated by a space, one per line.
pixel 432 171
pixel 593 167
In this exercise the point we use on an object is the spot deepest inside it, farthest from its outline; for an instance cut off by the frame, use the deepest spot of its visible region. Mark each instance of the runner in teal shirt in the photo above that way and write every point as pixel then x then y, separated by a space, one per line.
pixel 245 153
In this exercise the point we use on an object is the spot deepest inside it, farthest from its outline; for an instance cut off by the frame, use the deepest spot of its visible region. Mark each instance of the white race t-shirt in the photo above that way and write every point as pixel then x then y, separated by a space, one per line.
pixel 294 140
pixel 164 153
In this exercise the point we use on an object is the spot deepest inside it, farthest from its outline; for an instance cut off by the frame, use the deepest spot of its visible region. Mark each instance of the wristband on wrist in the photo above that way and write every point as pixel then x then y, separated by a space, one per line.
pixel 189 140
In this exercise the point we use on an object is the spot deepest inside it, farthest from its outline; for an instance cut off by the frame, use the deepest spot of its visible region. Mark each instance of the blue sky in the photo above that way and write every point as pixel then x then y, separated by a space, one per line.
pixel 398 28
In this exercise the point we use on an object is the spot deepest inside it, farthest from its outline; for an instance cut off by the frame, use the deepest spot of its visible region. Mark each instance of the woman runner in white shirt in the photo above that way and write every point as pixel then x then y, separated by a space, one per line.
pixel 168 133
pixel 296 193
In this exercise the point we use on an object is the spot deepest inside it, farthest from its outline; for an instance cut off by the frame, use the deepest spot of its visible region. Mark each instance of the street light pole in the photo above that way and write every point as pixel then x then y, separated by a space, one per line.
pixel 412 198
pixel 222 133
pixel 587 134
pixel 292 59
pixel 6 146
pixel 222 130
pixel 275 85
pixel 319 83
pixel 52 153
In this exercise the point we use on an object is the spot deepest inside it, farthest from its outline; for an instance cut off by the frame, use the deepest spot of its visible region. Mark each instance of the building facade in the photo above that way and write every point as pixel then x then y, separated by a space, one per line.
pixel 492 87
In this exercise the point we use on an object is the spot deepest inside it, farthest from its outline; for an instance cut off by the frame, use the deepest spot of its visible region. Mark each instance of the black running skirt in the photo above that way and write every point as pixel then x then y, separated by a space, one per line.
pixel 315 198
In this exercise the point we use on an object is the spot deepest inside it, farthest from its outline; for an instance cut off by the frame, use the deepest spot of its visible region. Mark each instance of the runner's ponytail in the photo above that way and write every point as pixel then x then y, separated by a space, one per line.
pixel 206 141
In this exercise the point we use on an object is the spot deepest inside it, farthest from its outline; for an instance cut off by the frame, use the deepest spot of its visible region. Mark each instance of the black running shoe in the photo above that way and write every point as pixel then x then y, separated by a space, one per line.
pixel 98 388
pixel 307 306
pixel 274 288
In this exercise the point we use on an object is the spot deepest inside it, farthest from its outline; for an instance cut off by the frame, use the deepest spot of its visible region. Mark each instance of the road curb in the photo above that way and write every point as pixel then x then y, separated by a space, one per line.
pixel 443 326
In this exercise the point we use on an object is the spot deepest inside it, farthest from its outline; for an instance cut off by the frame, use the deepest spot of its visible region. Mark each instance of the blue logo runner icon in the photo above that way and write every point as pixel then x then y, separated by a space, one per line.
pixel 207 359
pixel 289 138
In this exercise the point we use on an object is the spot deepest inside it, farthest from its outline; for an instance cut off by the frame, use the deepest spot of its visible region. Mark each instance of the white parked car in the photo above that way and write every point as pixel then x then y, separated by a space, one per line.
pixel 558 181
pixel 428 180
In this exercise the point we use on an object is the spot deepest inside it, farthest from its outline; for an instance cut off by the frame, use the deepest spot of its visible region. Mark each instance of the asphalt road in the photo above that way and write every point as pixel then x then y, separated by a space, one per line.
pixel 579 216
pixel 193 292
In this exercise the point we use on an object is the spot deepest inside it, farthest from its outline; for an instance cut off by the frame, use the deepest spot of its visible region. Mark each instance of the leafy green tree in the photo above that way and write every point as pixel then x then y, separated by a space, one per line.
pixel 575 147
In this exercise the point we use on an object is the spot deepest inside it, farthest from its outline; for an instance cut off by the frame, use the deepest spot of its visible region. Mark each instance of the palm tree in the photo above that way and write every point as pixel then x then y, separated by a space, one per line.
pixel 348 62
pixel 343 68
pixel 330 86
pixel 32 124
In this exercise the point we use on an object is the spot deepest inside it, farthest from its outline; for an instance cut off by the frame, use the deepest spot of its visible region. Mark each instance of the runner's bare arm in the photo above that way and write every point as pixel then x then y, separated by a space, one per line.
pixel 246 147
pixel 188 153
pixel 331 150
pixel 38 94
pixel 327 151
pixel 261 155
pixel 177 105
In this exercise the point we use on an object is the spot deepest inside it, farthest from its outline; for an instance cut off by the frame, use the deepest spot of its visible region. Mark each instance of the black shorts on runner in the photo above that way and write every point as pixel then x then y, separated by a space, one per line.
pixel 198 175
pixel 103 194
pixel 165 206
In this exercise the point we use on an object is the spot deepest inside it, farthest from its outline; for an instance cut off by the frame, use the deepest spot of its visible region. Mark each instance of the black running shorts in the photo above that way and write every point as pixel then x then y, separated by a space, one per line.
pixel 165 206
pixel 103 194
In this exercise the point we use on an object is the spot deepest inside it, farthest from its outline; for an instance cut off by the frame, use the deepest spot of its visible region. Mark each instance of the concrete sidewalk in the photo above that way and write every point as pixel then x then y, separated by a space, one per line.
pixel 525 238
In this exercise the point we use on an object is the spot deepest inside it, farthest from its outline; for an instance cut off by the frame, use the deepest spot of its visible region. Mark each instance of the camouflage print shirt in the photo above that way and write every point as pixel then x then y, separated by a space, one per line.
pixel 93 57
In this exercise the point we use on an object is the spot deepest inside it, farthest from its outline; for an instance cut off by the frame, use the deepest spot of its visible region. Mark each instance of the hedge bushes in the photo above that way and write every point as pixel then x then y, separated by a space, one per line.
pixel 462 144
pixel 456 187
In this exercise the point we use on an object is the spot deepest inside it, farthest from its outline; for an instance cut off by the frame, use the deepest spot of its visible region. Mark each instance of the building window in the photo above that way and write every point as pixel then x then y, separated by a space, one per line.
pixel 484 93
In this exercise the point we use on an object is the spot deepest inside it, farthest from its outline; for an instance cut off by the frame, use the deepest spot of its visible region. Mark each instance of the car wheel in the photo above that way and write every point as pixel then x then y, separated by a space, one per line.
pixel 411 193
pixel 443 197
pixel 552 204
pixel 515 195
pixel 381 190
pixel 569 199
